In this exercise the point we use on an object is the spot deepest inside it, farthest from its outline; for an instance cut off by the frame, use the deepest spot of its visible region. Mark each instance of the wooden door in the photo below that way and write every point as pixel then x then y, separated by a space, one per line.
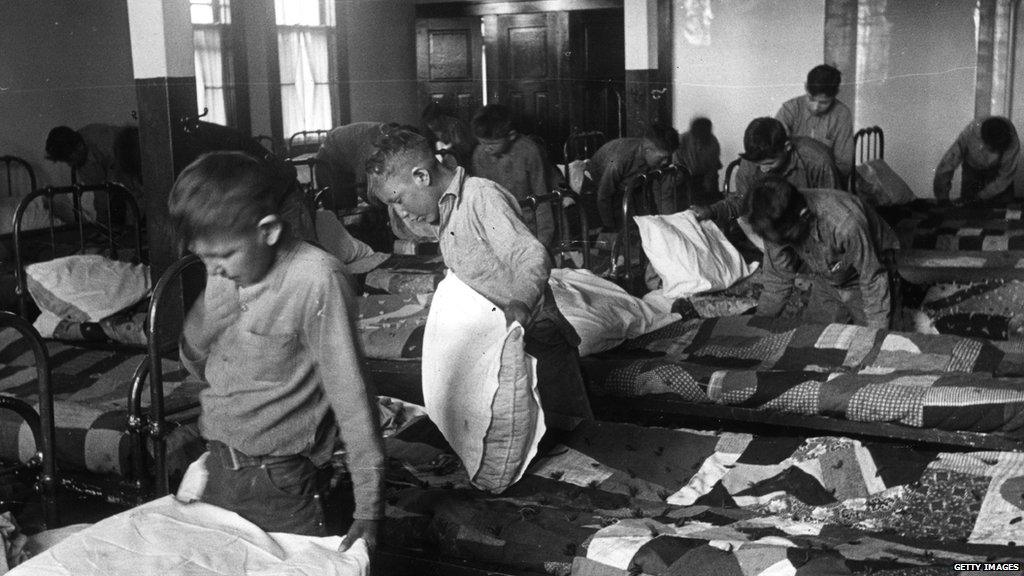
pixel 449 64
pixel 526 58
pixel 598 65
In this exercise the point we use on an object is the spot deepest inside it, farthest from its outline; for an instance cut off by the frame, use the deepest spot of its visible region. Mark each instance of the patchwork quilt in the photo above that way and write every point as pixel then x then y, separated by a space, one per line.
pixel 618 500
pixel 850 372
pixel 91 389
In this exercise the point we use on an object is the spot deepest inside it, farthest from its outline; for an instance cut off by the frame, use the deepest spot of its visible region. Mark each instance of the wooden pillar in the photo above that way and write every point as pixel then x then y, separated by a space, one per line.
pixel 256 60
pixel 648 64
pixel 165 84
pixel 986 57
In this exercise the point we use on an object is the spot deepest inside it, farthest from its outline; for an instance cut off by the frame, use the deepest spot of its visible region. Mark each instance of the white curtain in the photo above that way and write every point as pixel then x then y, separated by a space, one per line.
pixel 305 79
pixel 207 46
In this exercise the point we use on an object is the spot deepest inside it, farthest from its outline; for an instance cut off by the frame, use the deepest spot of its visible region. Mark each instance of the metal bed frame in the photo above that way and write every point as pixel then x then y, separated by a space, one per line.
pixel 79 225
pixel 141 426
pixel 639 201
pixel 868 144
pixel 305 141
pixel 729 170
pixel 581 145
pixel 11 161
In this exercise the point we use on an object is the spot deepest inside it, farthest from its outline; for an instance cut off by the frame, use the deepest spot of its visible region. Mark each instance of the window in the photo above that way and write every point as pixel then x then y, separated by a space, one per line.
pixel 211 28
pixel 306 48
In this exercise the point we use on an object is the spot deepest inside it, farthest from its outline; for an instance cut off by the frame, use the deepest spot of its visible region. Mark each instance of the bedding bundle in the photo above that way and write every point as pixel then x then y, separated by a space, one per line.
pixel 90 297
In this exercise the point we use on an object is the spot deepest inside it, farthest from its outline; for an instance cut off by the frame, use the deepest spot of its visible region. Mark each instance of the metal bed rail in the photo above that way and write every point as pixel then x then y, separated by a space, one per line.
pixel 79 224
pixel 9 162
pixel 868 144
pixel 639 201
pixel 40 422
pixel 563 243
pixel 159 322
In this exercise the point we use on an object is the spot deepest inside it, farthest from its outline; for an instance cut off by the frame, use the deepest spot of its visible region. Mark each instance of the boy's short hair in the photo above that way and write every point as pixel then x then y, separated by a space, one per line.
pixel 777 210
pixel 398 147
pixel 998 133
pixel 492 122
pixel 764 138
pixel 224 191
pixel 824 79
pixel 61 142
pixel 663 136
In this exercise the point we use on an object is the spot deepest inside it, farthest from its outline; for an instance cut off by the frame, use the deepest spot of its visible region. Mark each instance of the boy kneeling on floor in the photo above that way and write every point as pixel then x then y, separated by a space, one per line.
pixel 273 335
pixel 486 244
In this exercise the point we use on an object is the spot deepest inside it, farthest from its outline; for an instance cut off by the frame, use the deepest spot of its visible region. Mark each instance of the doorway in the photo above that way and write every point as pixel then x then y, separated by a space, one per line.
pixel 559 71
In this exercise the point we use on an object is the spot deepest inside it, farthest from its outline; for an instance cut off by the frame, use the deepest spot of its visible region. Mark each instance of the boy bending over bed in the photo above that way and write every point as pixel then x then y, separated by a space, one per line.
pixel 485 243
pixel 274 338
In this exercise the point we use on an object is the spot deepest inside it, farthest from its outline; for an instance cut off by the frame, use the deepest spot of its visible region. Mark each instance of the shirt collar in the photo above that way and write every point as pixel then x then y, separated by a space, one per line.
pixel 451 197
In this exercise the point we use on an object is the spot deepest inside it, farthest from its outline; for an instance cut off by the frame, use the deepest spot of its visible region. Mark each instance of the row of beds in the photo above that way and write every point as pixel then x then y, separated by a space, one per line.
pixel 734 428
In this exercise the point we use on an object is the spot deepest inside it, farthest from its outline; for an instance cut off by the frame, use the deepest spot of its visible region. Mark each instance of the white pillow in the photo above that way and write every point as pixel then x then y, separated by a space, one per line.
pixel 480 386
pixel 86 288
pixel 690 257
pixel 603 314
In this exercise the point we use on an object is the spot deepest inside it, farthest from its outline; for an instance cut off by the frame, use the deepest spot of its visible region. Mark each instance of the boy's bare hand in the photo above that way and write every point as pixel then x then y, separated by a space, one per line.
pixel 517 311
pixel 701 213
pixel 365 529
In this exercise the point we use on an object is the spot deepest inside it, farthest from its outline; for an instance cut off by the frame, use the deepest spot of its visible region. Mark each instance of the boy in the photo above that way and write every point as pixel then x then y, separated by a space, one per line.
pixel 514 162
pixel 95 156
pixel 768 151
pixel 701 155
pixel 832 236
pixel 340 161
pixel 273 336
pixel 989 152
pixel 819 115
pixel 486 244
pixel 617 164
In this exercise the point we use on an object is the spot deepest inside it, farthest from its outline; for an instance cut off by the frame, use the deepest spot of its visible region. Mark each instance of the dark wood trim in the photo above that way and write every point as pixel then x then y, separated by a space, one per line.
pixel 666 57
pixel 459 9
pixel 986 58
pixel 343 106
pixel 239 111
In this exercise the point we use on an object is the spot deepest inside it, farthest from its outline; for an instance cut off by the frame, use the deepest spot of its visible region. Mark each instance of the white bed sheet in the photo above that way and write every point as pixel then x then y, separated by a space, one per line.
pixel 168 537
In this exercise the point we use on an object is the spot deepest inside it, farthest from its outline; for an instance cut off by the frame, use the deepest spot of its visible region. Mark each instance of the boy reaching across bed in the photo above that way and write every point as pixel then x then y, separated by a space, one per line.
pixel 273 336
pixel 485 243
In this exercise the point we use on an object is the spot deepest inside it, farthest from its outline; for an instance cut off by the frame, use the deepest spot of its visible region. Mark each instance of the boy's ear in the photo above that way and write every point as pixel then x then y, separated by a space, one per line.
pixel 421 176
pixel 270 228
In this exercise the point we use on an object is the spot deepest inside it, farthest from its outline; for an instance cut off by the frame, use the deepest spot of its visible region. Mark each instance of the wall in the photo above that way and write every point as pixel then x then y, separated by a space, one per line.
pixel 922 97
pixel 755 57
pixel 382 61
pixel 63 63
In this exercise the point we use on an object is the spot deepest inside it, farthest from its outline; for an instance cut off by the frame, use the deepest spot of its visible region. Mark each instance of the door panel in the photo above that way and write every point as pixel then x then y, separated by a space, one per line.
pixel 526 72
pixel 449 65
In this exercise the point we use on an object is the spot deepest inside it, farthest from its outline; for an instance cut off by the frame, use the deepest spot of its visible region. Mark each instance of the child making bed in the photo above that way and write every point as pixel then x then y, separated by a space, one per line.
pixel 274 338
pixel 485 243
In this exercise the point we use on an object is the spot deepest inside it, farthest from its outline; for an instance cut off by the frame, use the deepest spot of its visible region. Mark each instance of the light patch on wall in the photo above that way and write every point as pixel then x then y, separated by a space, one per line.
pixel 697 17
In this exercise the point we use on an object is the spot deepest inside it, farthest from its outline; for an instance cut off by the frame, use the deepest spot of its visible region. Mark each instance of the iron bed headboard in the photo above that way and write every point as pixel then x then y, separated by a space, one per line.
pixel 868 144
pixel 108 229
pixel 11 161
pixel 639 201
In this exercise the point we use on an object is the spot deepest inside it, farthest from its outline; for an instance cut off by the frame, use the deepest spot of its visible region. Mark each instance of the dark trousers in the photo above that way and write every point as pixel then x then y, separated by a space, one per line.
pixel 278 494
pixel 555 345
